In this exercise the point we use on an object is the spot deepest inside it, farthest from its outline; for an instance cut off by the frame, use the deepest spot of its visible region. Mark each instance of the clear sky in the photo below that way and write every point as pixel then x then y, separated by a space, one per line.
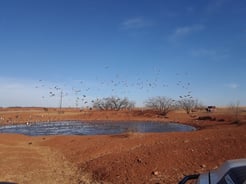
pixel 127 48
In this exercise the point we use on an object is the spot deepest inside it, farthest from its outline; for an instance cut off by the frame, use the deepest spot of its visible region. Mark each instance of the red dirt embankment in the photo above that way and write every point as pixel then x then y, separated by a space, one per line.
pixel 127 158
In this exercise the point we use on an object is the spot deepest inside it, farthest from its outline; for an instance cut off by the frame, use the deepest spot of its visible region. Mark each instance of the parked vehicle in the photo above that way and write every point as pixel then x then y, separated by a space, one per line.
pixel 231 172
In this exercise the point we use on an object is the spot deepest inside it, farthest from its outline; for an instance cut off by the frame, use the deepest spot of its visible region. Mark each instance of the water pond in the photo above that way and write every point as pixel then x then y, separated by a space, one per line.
pixel 92 128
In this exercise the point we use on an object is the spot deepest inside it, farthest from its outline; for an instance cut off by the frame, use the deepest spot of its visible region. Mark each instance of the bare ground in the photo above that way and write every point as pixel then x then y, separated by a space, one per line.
pixel 23 160
pixel 127 158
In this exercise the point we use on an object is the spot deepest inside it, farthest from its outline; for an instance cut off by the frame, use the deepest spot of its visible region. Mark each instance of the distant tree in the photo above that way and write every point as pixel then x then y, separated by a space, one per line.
pixel 161 104
pixel 113 103
pixel 188 104
pixel 235 110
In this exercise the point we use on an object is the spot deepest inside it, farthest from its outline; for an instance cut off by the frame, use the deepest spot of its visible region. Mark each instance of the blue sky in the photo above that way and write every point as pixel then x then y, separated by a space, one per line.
pixel 137 49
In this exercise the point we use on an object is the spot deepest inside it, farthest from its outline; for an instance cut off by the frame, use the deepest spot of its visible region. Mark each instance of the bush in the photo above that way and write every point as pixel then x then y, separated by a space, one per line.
pixel 163 105
pixel 189 105
pixel 113 103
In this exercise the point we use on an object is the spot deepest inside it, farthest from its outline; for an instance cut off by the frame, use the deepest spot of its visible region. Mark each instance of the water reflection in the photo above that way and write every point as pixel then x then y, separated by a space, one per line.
pixel 93 128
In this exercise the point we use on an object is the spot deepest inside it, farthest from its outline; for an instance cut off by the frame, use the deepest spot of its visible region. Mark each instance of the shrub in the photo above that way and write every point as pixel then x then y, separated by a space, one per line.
pixel 163 105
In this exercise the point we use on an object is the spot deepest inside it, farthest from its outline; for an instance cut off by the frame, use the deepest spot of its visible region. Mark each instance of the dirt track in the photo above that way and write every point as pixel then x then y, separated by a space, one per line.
pixel 127 158
pixel 23 160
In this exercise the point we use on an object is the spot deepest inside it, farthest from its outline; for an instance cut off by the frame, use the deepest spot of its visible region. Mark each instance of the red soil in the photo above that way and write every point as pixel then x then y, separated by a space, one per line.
pixel 127 158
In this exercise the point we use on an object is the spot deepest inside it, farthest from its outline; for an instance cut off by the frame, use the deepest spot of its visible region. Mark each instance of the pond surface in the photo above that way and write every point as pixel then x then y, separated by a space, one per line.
pixel 93 128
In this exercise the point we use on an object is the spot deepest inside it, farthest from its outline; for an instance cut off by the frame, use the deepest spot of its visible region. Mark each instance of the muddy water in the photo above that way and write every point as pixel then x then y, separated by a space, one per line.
pixel 92 128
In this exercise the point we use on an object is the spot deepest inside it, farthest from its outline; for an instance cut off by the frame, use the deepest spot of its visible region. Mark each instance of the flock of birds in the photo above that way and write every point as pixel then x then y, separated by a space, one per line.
pixel 83 91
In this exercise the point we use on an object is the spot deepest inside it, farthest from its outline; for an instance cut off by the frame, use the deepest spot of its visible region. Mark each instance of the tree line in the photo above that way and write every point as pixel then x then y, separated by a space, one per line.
pixel 161 104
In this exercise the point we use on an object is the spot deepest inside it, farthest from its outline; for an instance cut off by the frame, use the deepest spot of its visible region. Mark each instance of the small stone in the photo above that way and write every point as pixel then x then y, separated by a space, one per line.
pixel 155 173
pixel 203 166
pixel 139 160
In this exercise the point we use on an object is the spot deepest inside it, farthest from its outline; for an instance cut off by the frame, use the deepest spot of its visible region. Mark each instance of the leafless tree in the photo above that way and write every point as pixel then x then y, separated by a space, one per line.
pixel 188 104
pixel 99 104
pixel 113 103
pixel 162 104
